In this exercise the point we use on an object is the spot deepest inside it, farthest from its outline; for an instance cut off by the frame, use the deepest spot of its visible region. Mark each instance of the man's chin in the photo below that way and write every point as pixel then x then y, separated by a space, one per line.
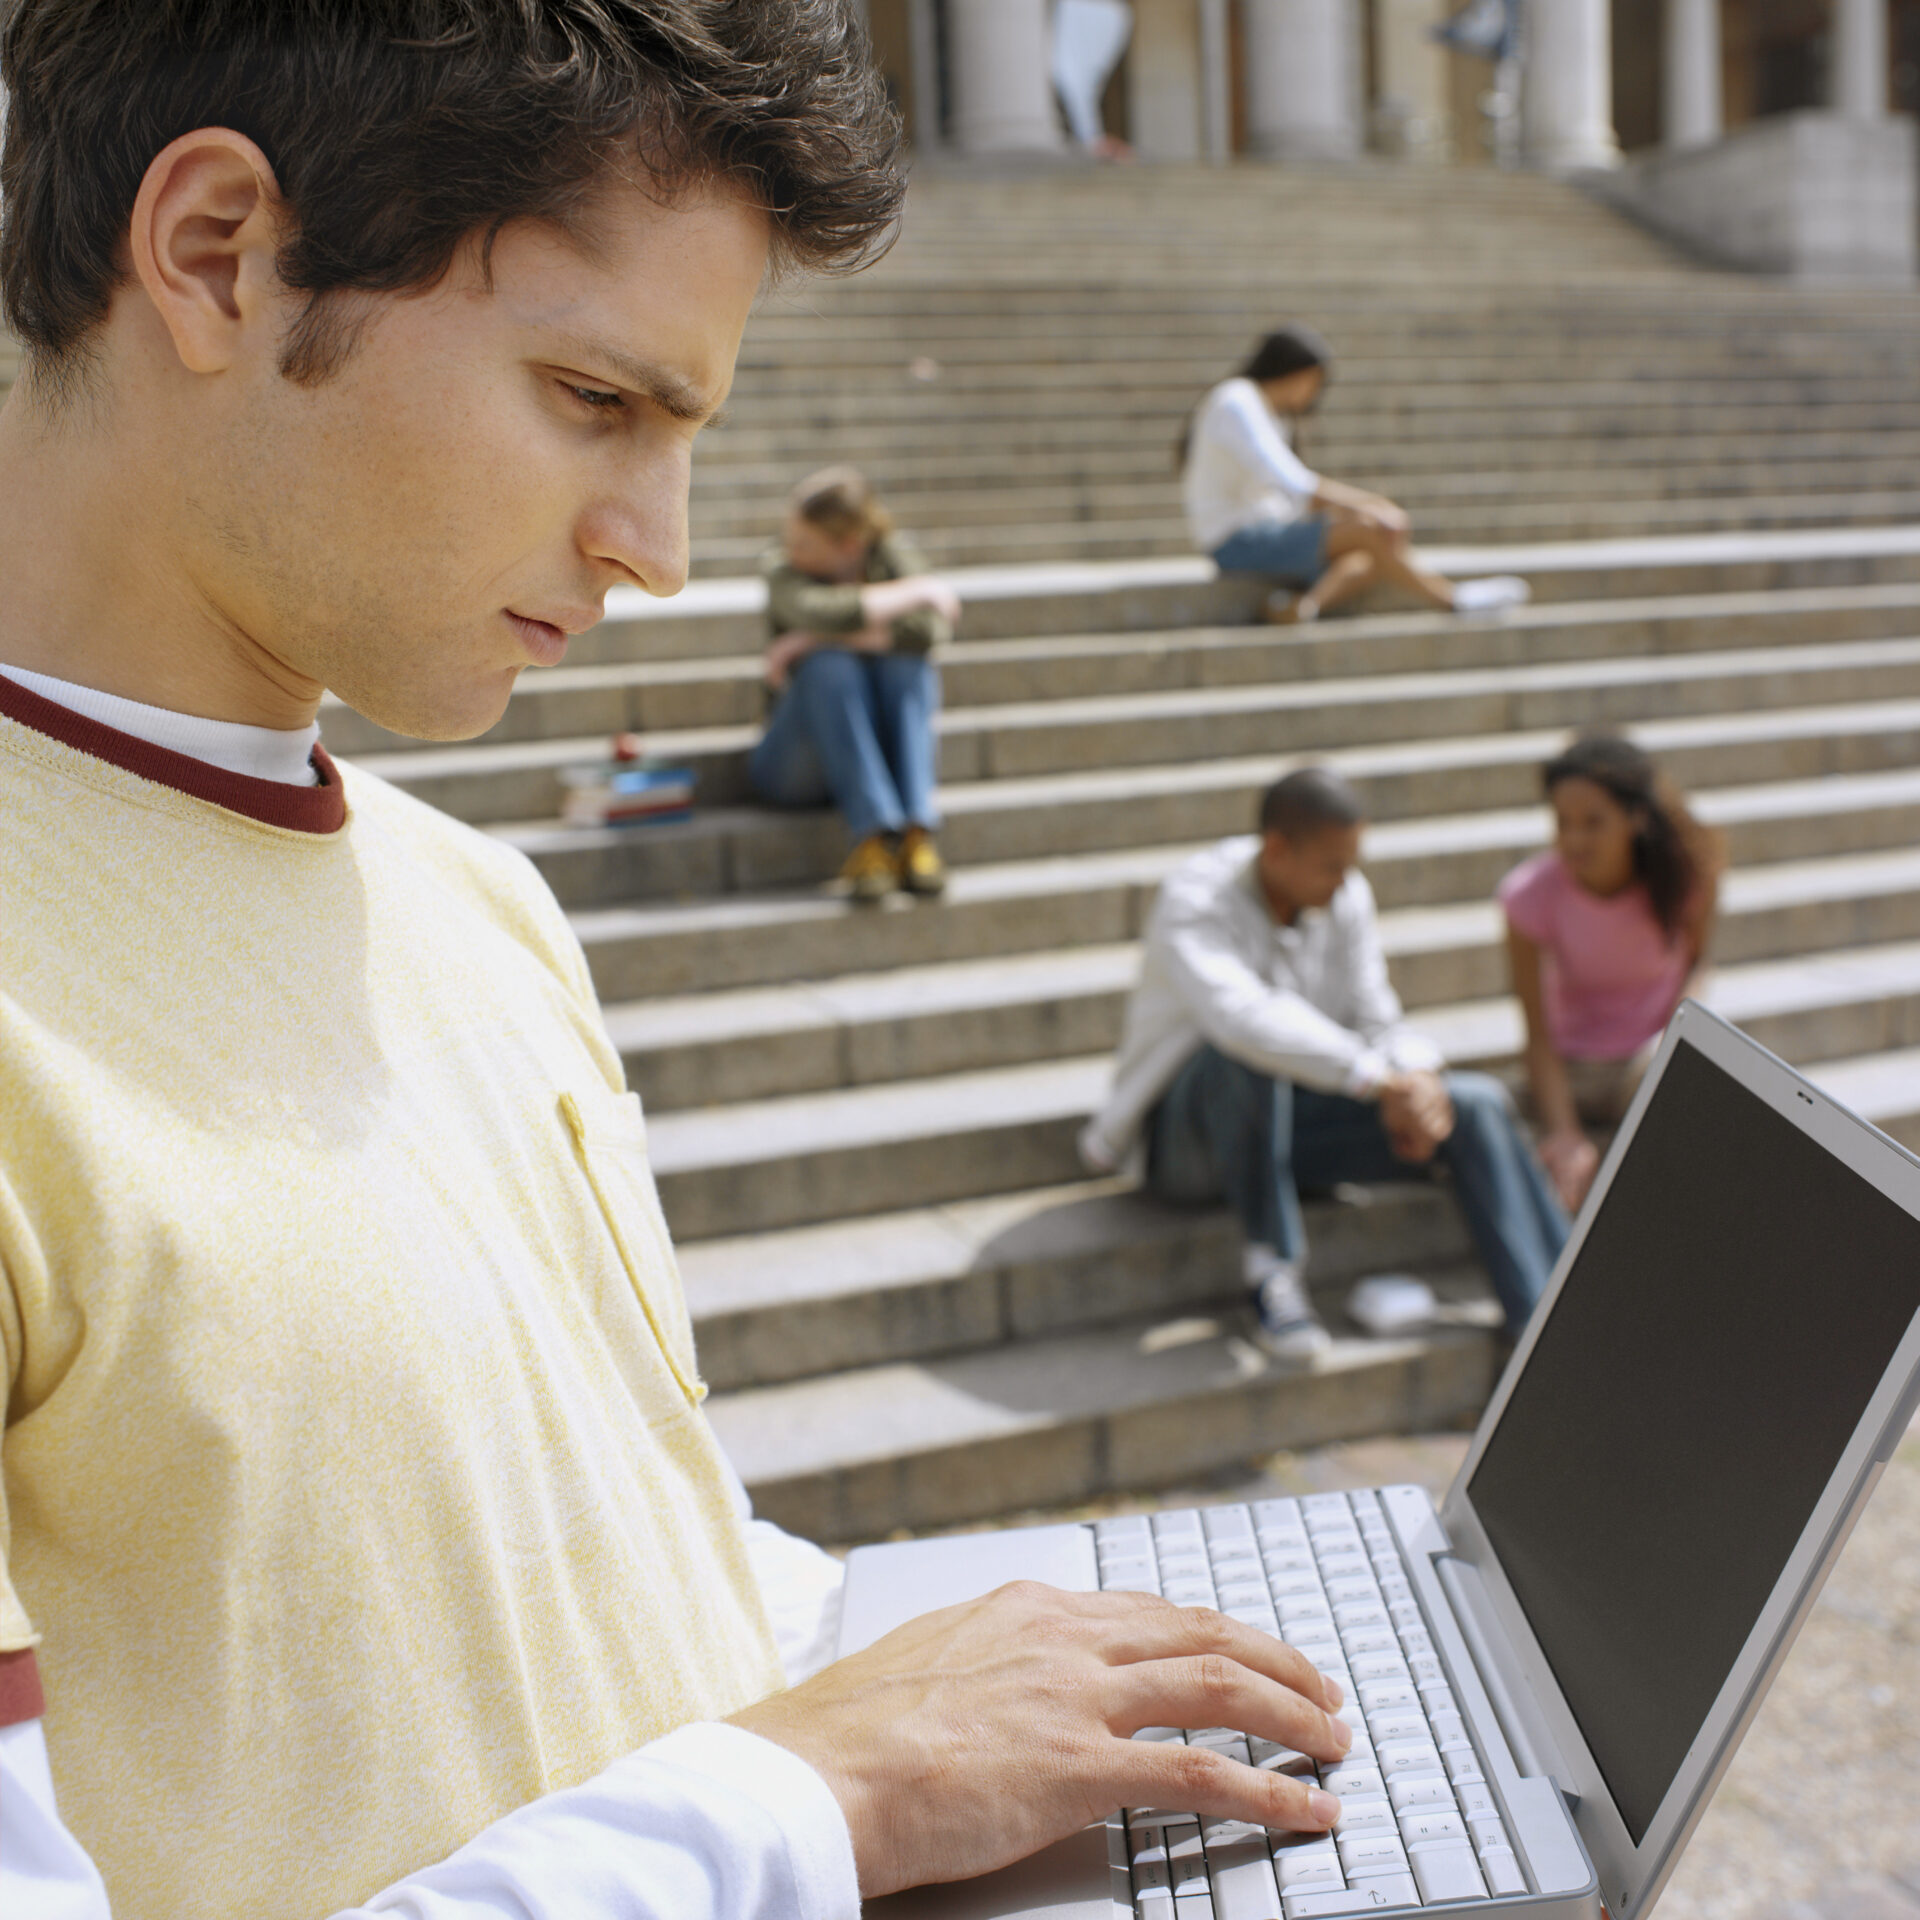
pixel 459 711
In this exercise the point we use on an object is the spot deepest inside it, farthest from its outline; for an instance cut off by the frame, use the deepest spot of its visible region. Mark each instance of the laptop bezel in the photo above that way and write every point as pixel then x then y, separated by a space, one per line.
pixel 1631 1875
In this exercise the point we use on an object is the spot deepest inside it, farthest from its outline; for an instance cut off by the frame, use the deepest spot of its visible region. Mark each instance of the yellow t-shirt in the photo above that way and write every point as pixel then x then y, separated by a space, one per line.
pixel 356 1486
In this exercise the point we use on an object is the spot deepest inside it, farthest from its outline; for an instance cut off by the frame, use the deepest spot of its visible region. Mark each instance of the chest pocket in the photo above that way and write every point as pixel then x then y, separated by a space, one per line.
pixel 610 1135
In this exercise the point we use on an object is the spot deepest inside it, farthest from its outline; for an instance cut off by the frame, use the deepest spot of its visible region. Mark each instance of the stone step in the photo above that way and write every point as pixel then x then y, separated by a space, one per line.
pixel 1798 830
pixel 933 1281
pixel 489 782
pixel 728 850
pixel 1169 1394
pixel 1059 1420
pixel 653 696
pixel 1036 598
pixel 864 1028
pixel 789 1162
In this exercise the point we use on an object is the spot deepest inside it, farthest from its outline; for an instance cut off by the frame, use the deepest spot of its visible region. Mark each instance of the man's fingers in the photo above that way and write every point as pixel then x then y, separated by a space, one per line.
pixel 1155 1629
pixel 1210 1690
pixel 1171 1777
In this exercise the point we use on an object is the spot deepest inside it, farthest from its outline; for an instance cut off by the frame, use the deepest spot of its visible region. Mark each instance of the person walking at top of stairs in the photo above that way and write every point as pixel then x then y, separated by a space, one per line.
pixel 855 619
pixel 1606 933
pixel 1257 507
pixel 1265 1047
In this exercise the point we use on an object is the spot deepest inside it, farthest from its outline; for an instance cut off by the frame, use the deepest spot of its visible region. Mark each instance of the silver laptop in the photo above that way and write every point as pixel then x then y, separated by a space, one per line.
pixel 1549 1674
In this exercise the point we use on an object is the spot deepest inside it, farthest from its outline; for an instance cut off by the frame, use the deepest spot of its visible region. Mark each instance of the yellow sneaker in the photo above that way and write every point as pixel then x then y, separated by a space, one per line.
pixel 921 868
pixel 870 873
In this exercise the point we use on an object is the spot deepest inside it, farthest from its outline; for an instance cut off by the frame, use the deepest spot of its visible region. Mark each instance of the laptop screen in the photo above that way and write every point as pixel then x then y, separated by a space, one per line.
pixel 1736 1302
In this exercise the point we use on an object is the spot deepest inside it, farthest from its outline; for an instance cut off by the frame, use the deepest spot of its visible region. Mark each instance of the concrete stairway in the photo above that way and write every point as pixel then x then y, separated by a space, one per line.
pixel 912 1306
pixel 1513 361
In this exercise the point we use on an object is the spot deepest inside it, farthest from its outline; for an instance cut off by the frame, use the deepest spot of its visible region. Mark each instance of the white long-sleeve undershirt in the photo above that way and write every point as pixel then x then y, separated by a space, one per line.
pixel 1241 469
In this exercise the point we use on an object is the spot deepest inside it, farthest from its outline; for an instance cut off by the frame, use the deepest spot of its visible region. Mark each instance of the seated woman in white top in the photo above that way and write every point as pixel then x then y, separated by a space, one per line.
pixel 1258 508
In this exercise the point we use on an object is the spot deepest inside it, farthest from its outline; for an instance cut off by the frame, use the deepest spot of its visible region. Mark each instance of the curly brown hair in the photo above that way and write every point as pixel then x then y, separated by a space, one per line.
pixel 397 129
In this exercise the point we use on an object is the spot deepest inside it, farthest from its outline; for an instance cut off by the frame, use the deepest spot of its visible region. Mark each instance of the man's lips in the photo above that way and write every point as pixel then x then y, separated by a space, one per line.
pixel 546 639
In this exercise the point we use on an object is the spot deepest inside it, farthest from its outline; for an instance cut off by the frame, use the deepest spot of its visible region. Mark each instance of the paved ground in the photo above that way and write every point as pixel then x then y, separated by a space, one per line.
pixel 1819 1817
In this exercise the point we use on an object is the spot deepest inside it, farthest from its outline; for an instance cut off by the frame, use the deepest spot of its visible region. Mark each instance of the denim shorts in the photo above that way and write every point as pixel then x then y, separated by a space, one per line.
pixel 1286 549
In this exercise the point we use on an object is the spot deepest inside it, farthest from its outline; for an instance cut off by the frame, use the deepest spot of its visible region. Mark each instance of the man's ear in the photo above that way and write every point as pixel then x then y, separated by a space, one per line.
pixel 204 241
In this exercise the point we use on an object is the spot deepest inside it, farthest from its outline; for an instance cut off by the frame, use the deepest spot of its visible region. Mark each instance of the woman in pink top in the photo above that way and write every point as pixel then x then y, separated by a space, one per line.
pixel 1604 932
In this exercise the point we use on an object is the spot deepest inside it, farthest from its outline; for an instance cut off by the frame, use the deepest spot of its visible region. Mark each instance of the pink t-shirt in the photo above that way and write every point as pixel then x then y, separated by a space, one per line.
pixel 1611 977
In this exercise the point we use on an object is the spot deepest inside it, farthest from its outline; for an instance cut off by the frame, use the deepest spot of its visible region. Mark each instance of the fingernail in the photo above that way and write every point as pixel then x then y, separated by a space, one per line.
pixel 1341 1733
pixel 1323 1807
pixel 1333 1691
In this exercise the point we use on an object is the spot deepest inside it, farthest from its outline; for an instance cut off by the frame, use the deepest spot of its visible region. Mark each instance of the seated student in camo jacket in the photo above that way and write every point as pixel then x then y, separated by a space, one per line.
pixel 854 621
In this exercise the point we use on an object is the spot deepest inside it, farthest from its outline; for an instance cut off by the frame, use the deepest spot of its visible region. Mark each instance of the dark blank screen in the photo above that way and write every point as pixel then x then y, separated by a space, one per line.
pixel 1734 1307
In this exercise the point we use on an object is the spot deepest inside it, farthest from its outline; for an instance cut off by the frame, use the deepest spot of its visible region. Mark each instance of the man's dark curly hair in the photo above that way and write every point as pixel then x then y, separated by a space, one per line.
pixel 398 128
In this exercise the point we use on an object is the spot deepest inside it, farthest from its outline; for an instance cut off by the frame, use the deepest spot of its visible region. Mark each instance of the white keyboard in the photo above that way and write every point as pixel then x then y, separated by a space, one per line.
pixel 1419 1823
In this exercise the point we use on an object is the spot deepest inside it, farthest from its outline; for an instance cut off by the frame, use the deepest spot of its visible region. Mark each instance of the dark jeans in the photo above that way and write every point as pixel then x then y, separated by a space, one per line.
pixel 1223 1130
pixel 856 729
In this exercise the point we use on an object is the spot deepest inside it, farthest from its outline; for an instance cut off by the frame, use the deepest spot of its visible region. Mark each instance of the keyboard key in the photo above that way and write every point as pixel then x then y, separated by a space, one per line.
pixel 1123 1526
pixel 1367 1814
pixel 1187 1861
pixel 1319 1871
pixel 1414 1640
pixel 1262 1619
pixel 1243 1883
pixel 1276 1512
pixel 1431 1823
pixel 1293 1581
pixel 1364 1853
pixel 1302 1846
pixel 1463 1766
pixel 1154 1903
pixel 1350 1586
pixel 1225 1523
pixel 1183 1521
pixel 1359 1640
pixel 1419 1790
pixel 1146 1584
pixel 1386 1890
pixel 1310 1903
pixel 1386 1697
pixel 1487 1831
pixel 1377 1666
pixel 1117 1575
pixel 1241 1593
pixel 1276 1759
pixel 1344 1780
pixel 1160 1733
pixel 1447 1873
pixel 1353 1616
pixel 1409 1756
pixel 1476 1797
pixel 1448 1727
pixel 1194 1906
pixel 1436 1697
pixel 1502 1871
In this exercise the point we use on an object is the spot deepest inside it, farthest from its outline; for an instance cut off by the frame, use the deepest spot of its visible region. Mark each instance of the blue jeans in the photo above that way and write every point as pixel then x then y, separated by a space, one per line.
pixel 855 729
pixel 1224 1130
pixel 1289 550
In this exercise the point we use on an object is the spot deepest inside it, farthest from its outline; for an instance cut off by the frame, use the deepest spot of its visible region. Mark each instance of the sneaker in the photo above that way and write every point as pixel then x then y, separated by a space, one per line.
pixel 1284 1322
pixel 870 873
pixel 921 869
pixel 1489 595
pixel 1285 609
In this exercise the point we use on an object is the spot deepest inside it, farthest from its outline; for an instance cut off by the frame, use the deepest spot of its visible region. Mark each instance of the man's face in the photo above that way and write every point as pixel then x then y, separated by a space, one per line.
pixel 439 514
pixel 1310 870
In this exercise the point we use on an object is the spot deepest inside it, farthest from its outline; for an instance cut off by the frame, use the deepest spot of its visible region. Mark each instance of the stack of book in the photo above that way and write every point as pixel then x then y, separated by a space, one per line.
pixel 627 790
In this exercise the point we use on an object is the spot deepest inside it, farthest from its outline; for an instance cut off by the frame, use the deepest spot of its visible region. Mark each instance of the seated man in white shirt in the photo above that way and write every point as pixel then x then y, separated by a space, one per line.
pixel 364 1545
pixel 1264 1050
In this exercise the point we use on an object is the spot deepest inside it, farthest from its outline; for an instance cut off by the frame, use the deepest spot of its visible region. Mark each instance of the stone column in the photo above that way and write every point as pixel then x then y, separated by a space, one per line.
pixel 1566 106
pixel 1691 110
pixel 1412 109
pixel 1216 83
pixel 1303 79
pixel 1860 59
pixel 1000 62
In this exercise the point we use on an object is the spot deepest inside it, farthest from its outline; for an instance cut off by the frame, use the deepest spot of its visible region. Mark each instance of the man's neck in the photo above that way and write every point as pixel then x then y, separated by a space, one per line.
pixel 97 593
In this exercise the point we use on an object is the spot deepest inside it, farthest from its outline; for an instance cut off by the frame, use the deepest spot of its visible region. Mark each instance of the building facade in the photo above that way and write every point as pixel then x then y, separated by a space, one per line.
pixel 1333 79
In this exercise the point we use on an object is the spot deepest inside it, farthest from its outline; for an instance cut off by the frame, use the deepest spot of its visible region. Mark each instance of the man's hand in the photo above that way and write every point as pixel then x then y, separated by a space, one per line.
pixel 974 1736
pixel 1571 1161
pixel 1417 1113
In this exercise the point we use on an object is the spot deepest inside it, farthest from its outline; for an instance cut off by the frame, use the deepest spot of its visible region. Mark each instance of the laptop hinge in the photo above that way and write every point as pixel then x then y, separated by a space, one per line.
pixel 1533 1747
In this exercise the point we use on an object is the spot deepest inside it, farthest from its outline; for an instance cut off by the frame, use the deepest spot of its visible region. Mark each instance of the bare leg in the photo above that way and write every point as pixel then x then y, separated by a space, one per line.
pixel 1392 557
pixel 1340 581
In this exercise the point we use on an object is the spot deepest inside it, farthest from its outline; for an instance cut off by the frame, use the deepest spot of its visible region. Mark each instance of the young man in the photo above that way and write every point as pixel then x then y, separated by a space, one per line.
pixel 1264 1048
pixel 364 1546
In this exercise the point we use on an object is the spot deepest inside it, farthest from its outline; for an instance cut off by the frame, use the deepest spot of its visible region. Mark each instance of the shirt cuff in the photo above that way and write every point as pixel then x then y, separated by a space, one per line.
pixel 791 1795
pixel 1366 1073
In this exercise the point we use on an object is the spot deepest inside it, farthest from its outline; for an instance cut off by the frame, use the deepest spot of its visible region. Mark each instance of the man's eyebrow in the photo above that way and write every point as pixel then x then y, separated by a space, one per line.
pixel 674 395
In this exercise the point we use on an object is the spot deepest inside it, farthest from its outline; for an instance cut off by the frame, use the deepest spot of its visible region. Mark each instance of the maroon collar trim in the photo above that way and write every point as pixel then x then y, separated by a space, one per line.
pixel 321 809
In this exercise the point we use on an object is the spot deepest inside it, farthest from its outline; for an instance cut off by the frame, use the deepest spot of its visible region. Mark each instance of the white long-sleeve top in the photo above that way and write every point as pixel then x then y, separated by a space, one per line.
pixel 1241 468
pixel 710 1823
pixel 1309 1002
